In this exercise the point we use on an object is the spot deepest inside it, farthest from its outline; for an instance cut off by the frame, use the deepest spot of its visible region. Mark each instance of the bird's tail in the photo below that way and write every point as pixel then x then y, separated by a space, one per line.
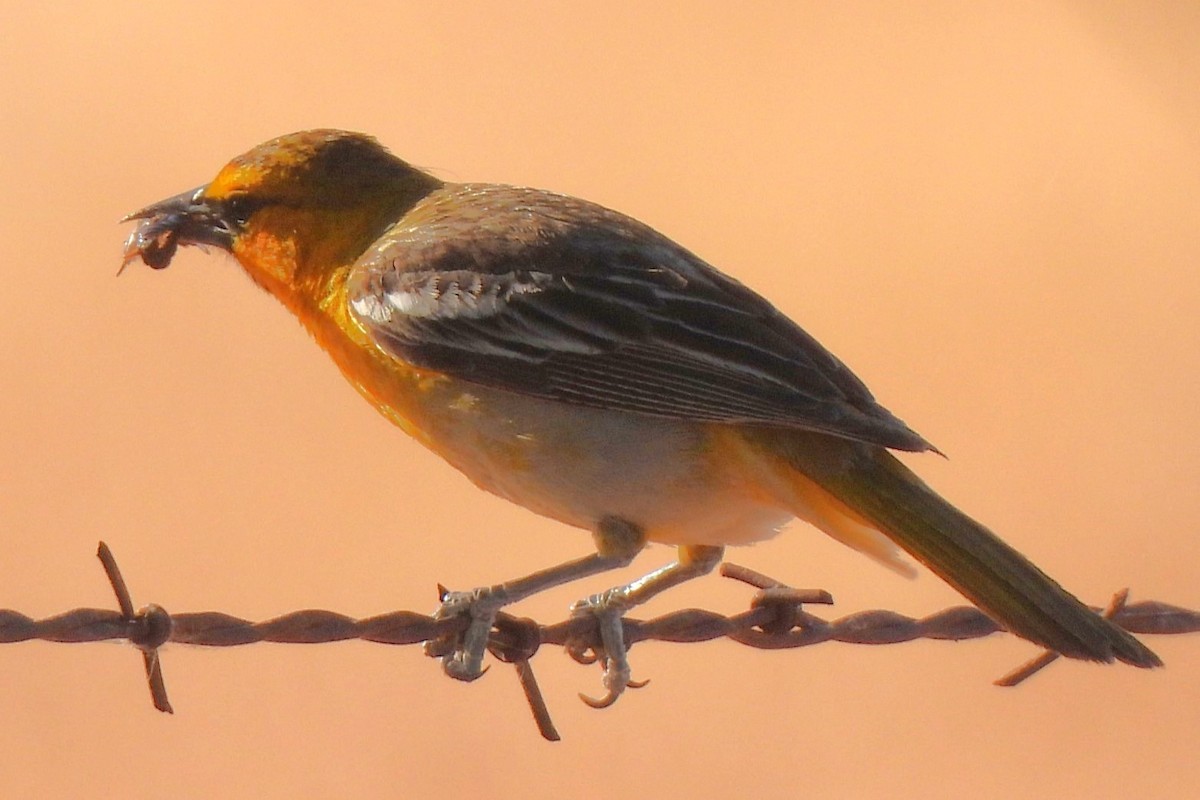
pixel 878 490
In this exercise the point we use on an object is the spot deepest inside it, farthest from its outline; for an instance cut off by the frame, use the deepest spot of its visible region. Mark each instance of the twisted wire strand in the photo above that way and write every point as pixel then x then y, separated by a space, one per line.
pixel 777 619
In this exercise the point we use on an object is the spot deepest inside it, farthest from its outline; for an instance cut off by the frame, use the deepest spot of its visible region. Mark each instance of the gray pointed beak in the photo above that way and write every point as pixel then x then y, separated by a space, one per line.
pixel 185 219
pixel 182 203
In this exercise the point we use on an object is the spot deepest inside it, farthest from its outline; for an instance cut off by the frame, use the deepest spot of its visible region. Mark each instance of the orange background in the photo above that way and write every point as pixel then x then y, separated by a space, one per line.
pixel 989 210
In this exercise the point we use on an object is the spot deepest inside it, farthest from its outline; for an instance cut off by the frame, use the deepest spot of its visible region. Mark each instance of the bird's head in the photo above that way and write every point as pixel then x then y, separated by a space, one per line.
pixel 290 210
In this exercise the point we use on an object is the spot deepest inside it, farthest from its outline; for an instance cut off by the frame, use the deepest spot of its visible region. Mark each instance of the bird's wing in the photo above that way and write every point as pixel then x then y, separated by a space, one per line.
pixel 560 299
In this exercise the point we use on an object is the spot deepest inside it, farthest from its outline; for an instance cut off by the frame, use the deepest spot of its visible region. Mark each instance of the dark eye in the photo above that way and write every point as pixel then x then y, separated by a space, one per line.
pixel 240 207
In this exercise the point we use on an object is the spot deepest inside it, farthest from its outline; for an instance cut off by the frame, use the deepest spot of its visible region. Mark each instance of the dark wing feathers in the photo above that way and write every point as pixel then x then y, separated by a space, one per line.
pixel 561 299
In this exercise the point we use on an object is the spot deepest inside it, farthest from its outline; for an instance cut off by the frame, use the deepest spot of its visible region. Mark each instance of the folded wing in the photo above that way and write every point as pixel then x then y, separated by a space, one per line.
pixel 561 299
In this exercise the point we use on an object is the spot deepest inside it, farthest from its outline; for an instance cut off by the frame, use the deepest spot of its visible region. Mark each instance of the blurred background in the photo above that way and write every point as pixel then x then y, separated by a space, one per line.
pixel 989 210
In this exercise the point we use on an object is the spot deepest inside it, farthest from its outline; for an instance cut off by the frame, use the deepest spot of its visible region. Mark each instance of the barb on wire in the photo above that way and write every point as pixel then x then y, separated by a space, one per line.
pixel 147 629
pixel 775 620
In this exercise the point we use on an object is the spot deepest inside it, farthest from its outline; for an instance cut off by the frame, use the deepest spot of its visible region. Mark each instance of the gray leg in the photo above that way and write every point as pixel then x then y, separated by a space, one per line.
pixel 617 543
pixel 610 606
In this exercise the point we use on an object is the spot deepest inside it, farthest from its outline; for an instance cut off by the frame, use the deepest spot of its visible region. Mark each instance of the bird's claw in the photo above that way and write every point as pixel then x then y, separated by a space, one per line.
pixel 611 695
pixel 608 608
pixel 463 660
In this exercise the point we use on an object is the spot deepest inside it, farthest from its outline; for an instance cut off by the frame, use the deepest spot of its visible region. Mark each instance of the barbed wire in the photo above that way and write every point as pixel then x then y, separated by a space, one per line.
pixel 775 620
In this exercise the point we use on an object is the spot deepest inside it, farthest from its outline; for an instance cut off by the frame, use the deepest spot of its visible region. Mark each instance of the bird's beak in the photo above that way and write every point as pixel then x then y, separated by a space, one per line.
pixel 185 219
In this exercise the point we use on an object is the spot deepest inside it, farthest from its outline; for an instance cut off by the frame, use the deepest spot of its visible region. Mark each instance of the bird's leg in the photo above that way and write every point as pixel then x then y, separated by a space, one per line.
pixel 617 543
pixel 610 606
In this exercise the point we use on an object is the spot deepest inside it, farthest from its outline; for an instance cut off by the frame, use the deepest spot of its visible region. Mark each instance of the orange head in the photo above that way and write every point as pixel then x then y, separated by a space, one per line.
pixel 292 210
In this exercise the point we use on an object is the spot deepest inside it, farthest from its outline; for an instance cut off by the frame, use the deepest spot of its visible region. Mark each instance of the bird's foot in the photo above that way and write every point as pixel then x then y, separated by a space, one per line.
pixel 608 608
pixel 463 660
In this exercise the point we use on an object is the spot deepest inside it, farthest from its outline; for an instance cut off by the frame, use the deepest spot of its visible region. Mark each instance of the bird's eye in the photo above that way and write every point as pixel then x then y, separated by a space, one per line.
pixel 240 207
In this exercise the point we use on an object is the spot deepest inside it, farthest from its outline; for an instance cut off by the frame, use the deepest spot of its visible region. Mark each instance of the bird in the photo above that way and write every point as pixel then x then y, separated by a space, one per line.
pixel 575 361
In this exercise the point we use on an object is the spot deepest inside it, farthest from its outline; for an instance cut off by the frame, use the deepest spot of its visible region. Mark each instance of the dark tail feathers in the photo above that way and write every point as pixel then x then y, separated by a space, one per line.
pixel 972 559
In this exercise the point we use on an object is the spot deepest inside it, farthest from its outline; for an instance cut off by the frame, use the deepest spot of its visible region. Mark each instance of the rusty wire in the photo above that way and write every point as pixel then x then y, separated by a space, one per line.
pixel 775 620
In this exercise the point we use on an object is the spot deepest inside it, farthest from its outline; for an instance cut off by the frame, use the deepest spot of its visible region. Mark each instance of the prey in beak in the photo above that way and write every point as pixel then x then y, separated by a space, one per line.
pixel 185 219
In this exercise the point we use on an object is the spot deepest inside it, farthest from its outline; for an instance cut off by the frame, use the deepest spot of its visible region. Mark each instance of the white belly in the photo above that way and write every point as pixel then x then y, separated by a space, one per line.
pixel 578 465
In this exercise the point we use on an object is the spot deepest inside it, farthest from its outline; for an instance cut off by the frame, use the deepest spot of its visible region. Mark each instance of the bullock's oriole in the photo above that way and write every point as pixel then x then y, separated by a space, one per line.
pixel 576 362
